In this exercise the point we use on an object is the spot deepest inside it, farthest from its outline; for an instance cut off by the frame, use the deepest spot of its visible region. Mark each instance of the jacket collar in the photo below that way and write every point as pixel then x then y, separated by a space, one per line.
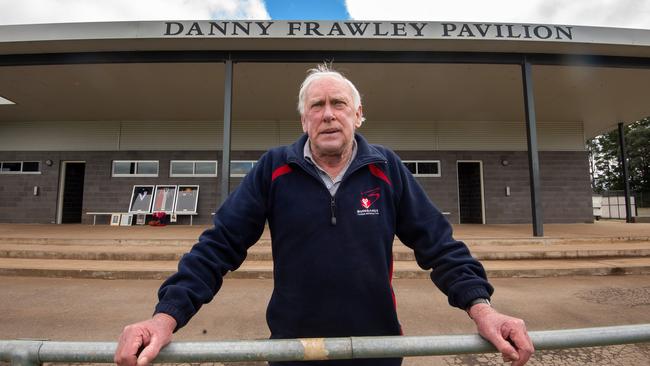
pixel 366 153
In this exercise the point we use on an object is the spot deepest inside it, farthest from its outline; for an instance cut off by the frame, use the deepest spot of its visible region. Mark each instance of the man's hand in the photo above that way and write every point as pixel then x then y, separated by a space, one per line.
pixel 141 342
pixel 506 333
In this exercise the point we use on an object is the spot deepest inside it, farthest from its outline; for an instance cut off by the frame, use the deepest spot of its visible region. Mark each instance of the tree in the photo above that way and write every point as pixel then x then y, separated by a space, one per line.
pixel 604 159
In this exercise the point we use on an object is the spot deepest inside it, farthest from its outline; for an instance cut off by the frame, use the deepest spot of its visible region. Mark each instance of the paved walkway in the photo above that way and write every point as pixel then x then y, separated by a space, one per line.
pixel 599 229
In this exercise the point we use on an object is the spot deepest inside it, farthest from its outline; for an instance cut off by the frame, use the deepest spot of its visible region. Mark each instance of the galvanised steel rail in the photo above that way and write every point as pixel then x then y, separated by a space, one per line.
pixel 31 353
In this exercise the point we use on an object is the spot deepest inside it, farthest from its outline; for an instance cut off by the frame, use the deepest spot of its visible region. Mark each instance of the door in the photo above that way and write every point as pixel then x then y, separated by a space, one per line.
pixel 71 193
pixel 470 192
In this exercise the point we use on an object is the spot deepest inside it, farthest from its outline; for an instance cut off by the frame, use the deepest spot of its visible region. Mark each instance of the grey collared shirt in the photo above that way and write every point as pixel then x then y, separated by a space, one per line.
pixel 331 184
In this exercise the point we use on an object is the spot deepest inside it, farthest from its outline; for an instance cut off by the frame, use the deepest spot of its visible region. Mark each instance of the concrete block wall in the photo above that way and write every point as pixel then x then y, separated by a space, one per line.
pixel 102 192
pixel 17 201
pixel 566 189
pixel 566 194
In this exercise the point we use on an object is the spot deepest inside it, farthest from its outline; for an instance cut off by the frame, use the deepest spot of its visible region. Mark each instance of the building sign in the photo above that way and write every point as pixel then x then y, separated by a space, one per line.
pixel 368 30
pixel 331 30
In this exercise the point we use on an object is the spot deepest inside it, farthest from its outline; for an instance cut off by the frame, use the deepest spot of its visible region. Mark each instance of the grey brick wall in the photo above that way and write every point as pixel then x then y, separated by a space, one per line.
pixel 566 193
pixel 17 201
pixel 102 192
pixel 566 189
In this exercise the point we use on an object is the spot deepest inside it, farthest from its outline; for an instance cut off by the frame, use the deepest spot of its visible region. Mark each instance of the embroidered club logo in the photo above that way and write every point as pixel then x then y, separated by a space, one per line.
pixel 365 202
pixel 368 198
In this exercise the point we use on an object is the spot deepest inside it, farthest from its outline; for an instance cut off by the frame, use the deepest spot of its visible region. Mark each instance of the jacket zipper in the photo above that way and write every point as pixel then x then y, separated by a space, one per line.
pixel 333 198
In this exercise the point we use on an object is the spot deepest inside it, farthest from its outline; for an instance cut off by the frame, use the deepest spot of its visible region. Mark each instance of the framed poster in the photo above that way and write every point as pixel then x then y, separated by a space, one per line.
pixel 186 199
pixel 163 199
pixel 126 219
pixel 115 219
pixel 141 199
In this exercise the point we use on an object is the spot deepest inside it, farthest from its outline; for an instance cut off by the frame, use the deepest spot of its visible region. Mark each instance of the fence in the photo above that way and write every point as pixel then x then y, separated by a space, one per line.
pixel 643 203
pixel 611 205
pixel 32 353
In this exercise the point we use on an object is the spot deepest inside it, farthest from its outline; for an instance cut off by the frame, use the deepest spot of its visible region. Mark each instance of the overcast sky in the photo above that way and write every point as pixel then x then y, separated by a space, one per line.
pixel 615 13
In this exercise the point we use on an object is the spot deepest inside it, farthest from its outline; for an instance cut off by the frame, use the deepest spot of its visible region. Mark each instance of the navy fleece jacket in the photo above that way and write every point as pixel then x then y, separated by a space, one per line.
pixel 332 256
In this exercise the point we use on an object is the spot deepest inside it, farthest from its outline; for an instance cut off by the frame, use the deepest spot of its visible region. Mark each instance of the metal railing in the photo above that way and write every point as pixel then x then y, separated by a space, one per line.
pixel 31 353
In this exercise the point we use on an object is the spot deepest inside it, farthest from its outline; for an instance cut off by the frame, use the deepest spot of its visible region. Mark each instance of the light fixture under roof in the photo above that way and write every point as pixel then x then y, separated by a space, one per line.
pixel 4 101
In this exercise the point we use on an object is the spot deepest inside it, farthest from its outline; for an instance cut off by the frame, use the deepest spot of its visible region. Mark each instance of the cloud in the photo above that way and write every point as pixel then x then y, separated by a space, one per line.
pixel 61 11
pixel 612 13
pixel 615 13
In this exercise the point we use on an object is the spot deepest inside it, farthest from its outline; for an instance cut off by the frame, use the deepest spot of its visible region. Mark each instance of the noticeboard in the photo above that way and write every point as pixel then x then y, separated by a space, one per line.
pixel 141 199
pixel 186 199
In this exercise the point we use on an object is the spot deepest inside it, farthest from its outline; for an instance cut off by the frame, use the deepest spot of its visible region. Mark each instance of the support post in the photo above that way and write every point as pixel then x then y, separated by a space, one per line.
pixel 626 178
pixel 533 156
pixel 227 122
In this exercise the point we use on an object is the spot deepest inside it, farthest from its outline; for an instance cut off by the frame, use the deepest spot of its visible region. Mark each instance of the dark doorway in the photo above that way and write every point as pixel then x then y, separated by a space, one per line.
pixel 470 196
pixel 73 192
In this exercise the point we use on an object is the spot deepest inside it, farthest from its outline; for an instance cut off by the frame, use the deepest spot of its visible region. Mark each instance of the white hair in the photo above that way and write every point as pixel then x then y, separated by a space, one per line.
pixel 322 71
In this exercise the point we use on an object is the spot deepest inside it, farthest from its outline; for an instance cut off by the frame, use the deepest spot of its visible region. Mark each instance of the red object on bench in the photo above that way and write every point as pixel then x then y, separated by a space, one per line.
pixel 159 219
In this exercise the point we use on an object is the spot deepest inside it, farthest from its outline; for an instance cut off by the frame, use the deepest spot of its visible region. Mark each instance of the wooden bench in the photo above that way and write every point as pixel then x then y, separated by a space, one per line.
pixel 95 214
pixel 190 214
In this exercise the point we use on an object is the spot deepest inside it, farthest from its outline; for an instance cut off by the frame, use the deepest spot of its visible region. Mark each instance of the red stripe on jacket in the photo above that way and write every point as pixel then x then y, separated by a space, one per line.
pixel 392 292
pixel 285 169
pixel 379 173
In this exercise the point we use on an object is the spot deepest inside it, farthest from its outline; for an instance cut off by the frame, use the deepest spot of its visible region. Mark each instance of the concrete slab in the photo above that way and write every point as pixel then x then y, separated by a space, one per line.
pixel 102 269
pixel 81 251
pixel 599 229
pixel 158 251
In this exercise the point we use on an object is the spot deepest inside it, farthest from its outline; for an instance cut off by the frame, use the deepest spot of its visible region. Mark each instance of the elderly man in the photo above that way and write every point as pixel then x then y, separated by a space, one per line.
pixel 334 204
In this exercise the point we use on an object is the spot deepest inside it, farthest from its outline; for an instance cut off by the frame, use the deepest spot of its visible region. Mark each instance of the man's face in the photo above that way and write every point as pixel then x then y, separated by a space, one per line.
pixel 329 116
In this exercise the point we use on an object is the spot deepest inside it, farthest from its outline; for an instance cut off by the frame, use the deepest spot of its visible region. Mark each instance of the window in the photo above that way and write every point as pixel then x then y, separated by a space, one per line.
pixel 423 168
pixel 239 168
pixel 193 168
pixel 20 167
pixel 135 168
